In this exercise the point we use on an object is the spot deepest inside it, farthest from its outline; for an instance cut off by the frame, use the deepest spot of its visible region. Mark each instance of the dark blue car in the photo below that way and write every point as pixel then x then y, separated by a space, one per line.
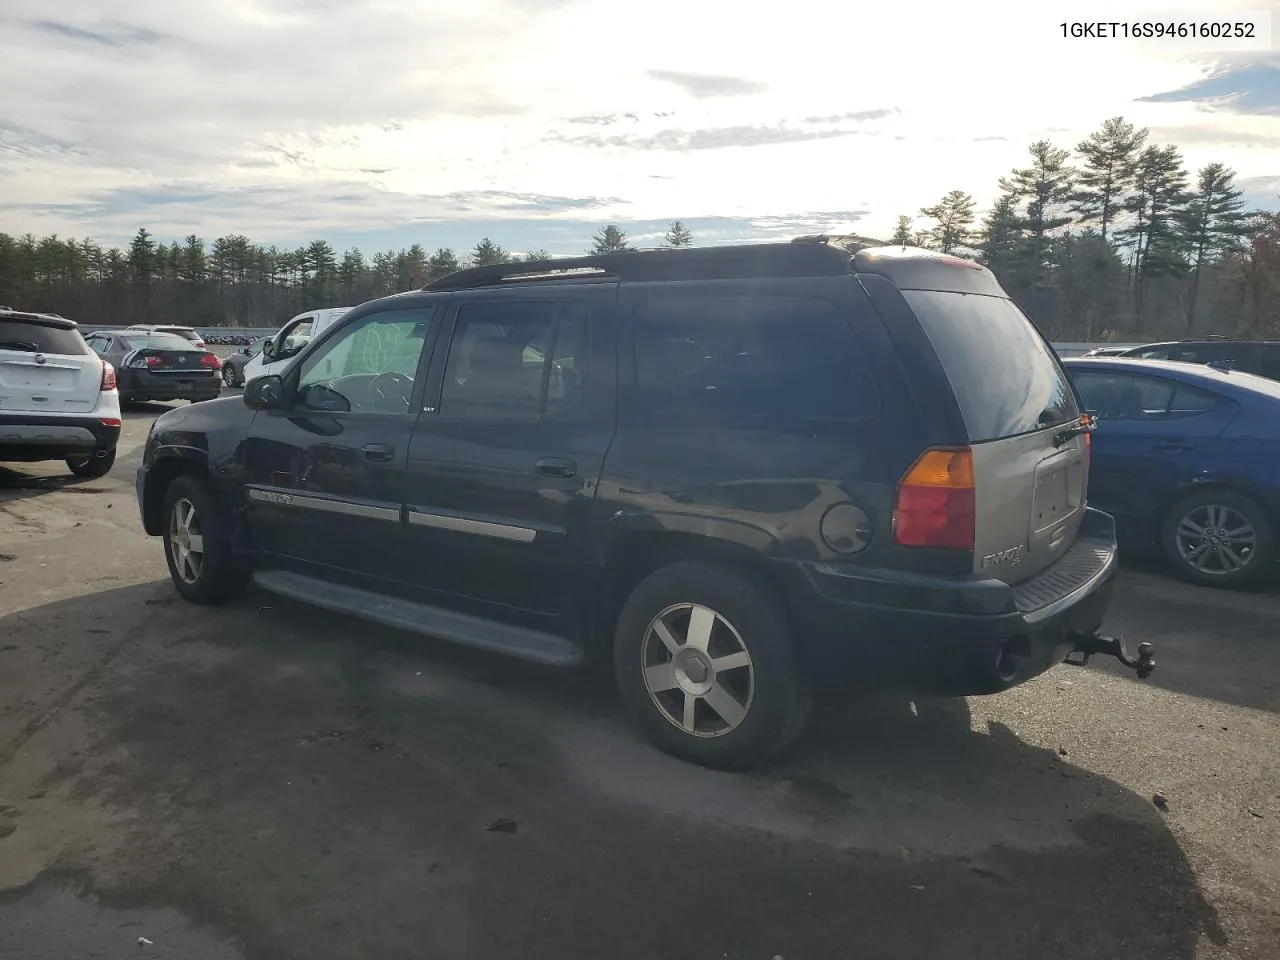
pixel 1187 460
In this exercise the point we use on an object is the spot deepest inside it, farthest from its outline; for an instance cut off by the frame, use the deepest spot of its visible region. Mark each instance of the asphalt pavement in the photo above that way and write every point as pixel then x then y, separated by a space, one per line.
pixel 266 780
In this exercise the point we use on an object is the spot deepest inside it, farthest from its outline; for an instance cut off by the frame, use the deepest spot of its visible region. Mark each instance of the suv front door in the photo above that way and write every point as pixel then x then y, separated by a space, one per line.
pixel 325 472
pixel 503 467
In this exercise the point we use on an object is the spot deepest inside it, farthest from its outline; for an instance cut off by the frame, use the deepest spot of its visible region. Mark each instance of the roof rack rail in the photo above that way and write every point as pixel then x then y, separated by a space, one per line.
pixel 738 261
pixel 849 241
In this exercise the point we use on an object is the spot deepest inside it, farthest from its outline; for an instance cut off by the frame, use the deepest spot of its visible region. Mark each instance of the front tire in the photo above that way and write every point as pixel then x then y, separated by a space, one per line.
pixel 92 467
pixel 705 663
pixel 1218 538
pixel 229 375
pixel 197 544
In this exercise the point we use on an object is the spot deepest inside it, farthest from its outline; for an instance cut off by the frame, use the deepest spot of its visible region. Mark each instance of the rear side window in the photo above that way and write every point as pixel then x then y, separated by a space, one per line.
pixel 758 356
pixel 29 337
pixel 1123 396
pixel 1006 379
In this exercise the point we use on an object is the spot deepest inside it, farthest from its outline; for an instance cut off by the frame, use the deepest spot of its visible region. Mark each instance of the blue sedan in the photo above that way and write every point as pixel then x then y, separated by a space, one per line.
pixel 1187 459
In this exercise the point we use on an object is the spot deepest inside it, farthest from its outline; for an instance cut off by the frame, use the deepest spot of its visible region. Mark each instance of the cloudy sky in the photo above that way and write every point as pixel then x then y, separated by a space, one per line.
pixel 387 122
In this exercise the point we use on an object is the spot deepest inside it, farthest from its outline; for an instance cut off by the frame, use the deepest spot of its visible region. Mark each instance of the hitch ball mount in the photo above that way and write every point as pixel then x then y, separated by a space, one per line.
pixel 1143 664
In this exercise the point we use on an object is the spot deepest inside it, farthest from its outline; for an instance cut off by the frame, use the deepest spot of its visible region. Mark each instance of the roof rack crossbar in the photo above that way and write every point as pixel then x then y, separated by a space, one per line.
pixel 740 261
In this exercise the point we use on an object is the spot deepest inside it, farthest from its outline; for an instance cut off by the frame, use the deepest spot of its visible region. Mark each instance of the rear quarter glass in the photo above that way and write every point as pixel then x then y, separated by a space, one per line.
pixel 1007 380
pixel 45 339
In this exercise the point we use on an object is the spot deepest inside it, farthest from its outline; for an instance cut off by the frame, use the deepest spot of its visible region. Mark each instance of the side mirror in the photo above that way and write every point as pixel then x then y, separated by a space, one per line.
pixel 322 397
pixel 264 393
pixel 269 350
pixel 245 351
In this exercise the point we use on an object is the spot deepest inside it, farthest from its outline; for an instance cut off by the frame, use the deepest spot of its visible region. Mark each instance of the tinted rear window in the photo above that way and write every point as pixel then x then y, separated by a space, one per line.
pixel 1006 379
pixel 158 341
pixel 38 338
pixel 761 356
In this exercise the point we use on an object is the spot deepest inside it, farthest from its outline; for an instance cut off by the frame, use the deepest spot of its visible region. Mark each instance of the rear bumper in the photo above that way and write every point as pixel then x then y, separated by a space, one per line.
pixel 144 385
pixel 947 636
pixel 32 437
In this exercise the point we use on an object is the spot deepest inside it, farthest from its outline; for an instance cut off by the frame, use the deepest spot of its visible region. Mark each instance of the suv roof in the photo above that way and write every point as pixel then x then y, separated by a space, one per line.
pixel 44 319
pixel 910 268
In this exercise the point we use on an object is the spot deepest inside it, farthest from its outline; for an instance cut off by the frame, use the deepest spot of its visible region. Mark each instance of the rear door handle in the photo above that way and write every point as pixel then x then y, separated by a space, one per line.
pixel 378 452
pixel 1173 445
pixel 560 467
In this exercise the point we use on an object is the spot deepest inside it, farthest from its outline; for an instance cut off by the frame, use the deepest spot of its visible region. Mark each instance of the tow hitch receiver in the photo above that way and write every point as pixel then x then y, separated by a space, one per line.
pixel 1143 663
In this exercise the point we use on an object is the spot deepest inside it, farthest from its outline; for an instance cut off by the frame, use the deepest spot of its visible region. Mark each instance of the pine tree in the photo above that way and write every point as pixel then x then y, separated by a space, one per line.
pixel 1110 163
pixel 1157 203
pixel 532 256
pixel 1002 236
pixel 442 263
pixel 1213 223
pixel 609 240
pixel 902 234
pixel 486 252
pixel 954 214
pixel 677 235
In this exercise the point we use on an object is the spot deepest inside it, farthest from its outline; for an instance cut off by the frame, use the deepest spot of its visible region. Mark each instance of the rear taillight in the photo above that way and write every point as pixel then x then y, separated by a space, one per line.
pixel 934 505
pixel 108 376
pixel 209 360
pixel 110 421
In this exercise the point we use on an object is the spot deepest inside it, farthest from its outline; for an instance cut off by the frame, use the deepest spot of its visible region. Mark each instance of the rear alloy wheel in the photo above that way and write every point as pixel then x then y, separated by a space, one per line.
pixel 1218 537
pixel 228 375
pixel 704 660
pixel 94 466
pixel 197 544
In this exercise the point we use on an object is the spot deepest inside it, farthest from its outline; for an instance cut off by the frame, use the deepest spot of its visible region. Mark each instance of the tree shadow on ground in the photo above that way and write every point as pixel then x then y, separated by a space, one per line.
pixel 315 787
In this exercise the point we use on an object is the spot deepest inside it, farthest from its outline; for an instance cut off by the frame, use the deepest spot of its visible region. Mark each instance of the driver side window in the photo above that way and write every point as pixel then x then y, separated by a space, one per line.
pixel 368 366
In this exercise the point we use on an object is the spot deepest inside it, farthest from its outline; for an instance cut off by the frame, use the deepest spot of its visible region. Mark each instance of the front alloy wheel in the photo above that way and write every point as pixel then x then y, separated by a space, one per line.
pixel 1218 537
pixel 186 543
pixel 1216 540
pixel 197 543
pixel 697 670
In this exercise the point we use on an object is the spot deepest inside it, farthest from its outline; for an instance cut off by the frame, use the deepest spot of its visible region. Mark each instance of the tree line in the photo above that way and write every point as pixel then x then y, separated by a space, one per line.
pixel 1119 241
pixel 1112 240
pixel 233 281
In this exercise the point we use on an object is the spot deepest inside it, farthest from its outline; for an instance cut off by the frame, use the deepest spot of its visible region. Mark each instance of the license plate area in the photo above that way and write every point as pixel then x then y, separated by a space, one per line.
pixel 184 386
pixel 1057 492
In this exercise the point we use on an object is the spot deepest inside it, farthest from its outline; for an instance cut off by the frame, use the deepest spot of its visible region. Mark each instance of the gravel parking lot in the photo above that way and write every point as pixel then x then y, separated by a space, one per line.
pixel 266 780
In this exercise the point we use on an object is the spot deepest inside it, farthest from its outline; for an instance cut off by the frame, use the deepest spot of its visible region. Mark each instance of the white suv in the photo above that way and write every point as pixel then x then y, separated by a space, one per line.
pixel 58 399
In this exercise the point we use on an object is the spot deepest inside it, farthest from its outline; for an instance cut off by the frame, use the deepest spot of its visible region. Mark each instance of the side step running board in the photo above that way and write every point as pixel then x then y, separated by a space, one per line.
pixel 461 628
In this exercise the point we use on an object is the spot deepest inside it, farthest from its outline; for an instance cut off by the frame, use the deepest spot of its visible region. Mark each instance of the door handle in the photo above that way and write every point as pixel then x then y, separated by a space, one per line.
pixel 1173 445
pixel 561 467
pixel 378 452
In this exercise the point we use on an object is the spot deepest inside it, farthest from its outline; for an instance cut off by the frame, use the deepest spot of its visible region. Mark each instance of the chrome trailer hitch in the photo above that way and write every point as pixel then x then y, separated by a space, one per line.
pixel 1144 663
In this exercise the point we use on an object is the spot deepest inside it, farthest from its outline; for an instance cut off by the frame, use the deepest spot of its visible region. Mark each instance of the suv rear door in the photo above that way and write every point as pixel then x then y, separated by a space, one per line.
pixel 503 466
pixel 1030 478
pixel 46 367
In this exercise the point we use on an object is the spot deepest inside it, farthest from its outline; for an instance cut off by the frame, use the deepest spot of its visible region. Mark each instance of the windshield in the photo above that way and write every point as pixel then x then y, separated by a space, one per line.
pixel 1006 379
pixel 158 341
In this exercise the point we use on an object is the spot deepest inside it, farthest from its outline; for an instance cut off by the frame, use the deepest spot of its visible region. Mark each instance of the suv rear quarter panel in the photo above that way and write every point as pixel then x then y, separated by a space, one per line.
pixel 761 485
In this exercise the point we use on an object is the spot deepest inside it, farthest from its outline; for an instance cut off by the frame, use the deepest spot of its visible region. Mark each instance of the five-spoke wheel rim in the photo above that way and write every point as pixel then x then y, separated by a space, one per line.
pixel 186 543
pixel 1216 540
pixel 697 670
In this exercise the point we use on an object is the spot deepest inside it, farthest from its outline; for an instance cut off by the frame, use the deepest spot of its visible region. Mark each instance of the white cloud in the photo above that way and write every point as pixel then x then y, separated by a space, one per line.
pixel 292 118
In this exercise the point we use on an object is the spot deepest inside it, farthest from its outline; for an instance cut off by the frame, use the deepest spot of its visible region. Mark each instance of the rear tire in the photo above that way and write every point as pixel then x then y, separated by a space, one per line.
pixel 1218 538
pixel 705 662
pixel 197 544
pixel 92 467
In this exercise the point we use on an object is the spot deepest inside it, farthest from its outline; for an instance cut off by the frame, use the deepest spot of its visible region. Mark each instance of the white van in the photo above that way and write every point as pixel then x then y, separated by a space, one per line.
pixel 289 339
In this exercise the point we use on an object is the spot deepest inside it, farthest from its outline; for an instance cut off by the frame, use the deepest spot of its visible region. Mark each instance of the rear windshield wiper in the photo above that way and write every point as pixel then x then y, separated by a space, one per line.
pixel 26 345
pixel 1081 426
